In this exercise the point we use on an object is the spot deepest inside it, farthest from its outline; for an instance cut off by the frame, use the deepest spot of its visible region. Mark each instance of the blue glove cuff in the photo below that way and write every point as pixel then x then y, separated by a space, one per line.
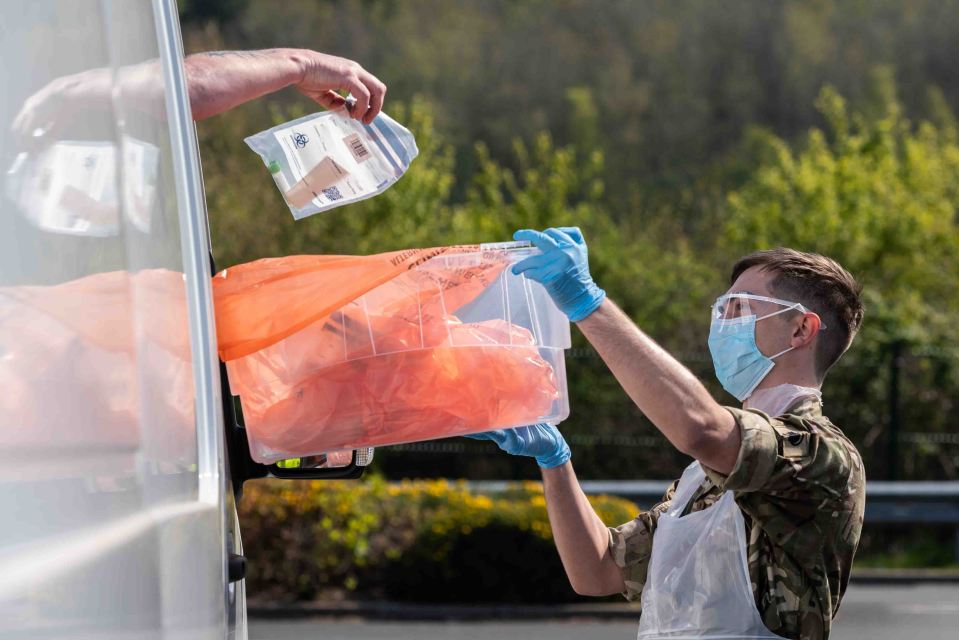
pixel 586 303
pixel 559 457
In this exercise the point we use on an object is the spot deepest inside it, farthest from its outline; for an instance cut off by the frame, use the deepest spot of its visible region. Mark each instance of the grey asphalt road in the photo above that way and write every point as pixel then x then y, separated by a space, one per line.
pixel 869 612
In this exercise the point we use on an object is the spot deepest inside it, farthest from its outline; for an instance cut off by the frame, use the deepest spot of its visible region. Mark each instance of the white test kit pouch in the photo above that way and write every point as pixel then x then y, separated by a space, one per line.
pixel 327 159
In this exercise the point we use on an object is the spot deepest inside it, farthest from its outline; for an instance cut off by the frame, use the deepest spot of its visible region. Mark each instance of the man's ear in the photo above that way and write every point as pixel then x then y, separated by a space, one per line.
pixel 805 330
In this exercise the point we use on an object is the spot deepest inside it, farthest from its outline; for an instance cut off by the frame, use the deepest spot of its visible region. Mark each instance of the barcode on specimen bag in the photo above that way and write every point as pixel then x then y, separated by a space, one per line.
pixel 357 148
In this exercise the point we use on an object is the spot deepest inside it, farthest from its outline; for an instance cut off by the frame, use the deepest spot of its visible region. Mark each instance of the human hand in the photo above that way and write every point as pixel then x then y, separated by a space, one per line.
pixel 563 268
pixel 541 441
pixel 53 106
pixel 324 74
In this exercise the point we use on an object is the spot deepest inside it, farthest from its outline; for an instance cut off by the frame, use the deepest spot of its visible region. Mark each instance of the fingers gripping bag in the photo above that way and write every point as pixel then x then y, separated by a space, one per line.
pixel 325 160
pixel 344 352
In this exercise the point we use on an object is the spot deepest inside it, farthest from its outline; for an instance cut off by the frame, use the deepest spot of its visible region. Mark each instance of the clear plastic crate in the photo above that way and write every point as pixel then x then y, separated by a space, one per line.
pixel 455 345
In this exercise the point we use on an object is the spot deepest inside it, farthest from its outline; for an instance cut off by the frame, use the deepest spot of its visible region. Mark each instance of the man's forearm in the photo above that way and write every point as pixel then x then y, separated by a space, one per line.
pixel 663 389
pixel 221 80
pixel 581 537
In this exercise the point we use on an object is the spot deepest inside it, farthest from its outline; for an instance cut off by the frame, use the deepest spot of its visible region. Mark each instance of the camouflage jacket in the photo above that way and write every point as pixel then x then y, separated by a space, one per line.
pixel 800 484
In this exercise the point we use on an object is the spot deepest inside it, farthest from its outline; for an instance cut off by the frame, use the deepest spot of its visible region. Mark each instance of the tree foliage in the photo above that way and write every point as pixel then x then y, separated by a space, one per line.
pixel 678 135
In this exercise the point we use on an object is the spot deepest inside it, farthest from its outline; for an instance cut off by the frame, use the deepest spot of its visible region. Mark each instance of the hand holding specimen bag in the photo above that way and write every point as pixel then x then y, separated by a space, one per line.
pixel 343 352
pixel 327 159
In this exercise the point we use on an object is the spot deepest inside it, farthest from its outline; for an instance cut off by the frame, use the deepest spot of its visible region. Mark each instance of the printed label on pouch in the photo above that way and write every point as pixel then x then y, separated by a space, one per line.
pixel 357 148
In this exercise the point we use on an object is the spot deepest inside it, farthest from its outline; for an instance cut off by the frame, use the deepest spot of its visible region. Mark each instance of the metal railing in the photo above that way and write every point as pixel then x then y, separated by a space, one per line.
pixel 886 502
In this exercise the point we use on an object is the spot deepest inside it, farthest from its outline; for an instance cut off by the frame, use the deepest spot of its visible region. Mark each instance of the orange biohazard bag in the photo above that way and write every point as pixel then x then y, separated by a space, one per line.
pixel 344 352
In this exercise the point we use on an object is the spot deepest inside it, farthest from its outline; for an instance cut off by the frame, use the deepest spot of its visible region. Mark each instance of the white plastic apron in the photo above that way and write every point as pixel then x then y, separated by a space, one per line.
pixel 698 582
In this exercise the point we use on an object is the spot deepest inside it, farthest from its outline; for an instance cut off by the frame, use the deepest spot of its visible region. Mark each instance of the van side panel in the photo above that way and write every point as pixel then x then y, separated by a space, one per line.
pixel 113 518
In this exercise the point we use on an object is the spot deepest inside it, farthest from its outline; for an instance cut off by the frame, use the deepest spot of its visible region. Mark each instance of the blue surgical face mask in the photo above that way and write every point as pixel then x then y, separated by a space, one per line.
pixel 740 365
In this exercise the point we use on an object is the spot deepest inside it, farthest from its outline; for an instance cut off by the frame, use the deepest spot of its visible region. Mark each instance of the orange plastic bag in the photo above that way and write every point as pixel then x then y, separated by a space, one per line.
pixel 260 303
pixel 404 396
pixel 391 364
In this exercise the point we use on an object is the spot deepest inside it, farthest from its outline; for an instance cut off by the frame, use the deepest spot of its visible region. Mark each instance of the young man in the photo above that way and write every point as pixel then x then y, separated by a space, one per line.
pixel 756 539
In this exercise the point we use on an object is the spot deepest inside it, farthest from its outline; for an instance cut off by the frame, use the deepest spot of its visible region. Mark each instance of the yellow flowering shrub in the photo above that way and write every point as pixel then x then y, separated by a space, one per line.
pixel 426 540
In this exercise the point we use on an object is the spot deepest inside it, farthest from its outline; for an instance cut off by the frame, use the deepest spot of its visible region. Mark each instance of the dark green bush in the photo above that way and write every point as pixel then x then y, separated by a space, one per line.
pixel 497 562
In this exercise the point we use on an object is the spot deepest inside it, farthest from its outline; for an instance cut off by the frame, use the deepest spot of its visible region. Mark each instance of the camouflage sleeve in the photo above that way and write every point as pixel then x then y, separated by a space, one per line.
pixel 785 455
pixel 631 545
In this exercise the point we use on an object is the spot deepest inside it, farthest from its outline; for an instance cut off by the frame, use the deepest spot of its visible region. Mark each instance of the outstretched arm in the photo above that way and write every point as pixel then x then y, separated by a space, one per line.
pixel 662 388
pixel 221 80
pixel 217 81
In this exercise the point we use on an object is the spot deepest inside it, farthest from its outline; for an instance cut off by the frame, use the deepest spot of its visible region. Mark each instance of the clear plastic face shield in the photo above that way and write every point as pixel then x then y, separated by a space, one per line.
pixel 732 310
pixel 739 363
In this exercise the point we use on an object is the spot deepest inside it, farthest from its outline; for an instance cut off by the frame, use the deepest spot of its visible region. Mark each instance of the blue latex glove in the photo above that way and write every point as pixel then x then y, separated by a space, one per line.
pixel 563 269
pixel 541 441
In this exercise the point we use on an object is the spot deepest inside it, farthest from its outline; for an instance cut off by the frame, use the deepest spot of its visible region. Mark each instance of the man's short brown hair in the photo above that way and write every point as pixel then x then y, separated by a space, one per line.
pixel 822 286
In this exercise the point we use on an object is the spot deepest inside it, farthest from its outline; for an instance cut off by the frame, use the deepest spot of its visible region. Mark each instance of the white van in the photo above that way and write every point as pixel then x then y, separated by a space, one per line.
pixel 120 455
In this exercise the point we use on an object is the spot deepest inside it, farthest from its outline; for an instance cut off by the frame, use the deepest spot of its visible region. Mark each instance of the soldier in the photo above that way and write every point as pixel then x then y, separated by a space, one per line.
pixel 757 537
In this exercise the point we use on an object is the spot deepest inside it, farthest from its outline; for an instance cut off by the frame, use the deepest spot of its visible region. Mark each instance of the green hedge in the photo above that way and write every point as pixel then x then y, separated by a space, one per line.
pixel 428 540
